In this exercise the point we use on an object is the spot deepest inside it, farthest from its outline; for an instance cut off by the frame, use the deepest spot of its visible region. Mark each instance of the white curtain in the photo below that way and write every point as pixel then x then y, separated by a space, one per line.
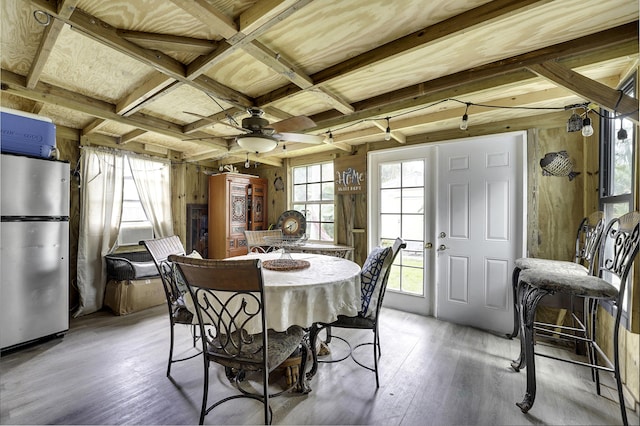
pixel 152 179
pixel 100 213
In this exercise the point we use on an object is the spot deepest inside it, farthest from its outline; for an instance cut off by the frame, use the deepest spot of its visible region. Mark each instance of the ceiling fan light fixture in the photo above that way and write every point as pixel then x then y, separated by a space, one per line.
pixel 257 143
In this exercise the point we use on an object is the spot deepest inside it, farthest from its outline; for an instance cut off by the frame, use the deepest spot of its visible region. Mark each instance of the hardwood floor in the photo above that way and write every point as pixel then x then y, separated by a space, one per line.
pixel 111 370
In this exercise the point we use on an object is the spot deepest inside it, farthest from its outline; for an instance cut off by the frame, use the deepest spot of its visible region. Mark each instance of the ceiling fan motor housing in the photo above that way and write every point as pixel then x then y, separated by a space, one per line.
pixel 254 122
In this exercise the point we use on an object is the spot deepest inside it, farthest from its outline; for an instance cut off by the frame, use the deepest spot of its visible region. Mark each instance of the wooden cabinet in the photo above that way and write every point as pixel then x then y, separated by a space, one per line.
pixel 236 203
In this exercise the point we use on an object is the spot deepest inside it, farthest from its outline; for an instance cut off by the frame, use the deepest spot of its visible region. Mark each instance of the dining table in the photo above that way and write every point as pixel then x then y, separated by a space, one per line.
pixel 326 287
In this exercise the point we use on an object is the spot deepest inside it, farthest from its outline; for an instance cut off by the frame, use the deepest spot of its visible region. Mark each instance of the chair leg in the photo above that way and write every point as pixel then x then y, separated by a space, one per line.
pixel 313 336
pixel 521 362
pixel 170 349
pixel 616 366
pixel 376 353
pixel 516 303
pixel 531 297
pixel 205 390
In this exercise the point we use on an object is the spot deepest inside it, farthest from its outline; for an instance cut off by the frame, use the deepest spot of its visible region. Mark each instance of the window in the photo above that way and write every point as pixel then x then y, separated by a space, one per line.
pixel 134 224
pixel 617 166
pixel 313 196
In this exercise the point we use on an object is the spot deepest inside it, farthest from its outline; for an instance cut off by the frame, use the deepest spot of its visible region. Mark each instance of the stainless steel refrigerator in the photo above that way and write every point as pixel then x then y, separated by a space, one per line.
pixel 34 273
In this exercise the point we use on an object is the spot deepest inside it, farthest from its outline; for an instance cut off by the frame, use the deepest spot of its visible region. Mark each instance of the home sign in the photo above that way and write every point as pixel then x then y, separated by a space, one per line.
pixel 350 174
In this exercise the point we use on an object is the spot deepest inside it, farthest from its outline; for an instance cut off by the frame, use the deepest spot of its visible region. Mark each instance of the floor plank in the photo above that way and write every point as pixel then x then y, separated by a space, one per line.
pixel 111 370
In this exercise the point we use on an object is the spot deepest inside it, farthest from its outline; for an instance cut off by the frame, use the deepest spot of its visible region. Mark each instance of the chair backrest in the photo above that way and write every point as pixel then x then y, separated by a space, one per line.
pixel 618 249
pixel 375 275
pixel 588 240
pixel 160 249
pixel 256 242
pixel 228 298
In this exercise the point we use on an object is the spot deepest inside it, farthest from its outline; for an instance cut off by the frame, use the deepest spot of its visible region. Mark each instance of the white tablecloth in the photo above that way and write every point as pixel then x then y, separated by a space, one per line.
pixel 329 287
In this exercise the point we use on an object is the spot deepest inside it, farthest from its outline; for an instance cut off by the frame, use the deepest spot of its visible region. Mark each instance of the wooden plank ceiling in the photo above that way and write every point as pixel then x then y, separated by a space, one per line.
pixel 140 74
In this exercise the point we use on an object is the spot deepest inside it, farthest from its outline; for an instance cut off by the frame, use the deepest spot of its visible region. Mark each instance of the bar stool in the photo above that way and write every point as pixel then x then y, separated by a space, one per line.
pixel 617 252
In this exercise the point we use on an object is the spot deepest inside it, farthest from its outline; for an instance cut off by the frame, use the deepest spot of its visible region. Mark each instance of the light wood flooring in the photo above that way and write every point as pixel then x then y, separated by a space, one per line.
pixel 111 370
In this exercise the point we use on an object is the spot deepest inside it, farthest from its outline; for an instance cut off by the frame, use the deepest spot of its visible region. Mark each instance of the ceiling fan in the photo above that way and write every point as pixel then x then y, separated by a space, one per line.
pixel 260 137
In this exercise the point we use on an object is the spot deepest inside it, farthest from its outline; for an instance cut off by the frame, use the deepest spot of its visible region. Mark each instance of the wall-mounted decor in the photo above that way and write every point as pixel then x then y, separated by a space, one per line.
pixel 350 174
pixel 197 229
pixel 558 164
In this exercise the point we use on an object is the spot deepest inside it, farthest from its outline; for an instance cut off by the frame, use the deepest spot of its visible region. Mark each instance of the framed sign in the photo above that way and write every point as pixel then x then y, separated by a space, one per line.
pixel 350 174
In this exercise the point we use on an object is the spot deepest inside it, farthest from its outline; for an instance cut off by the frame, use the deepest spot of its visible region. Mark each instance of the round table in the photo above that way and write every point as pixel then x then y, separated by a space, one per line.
pixel 329 287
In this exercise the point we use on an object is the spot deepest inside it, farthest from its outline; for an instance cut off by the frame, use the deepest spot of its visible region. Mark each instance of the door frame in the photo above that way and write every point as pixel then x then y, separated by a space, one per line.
pixel 427 304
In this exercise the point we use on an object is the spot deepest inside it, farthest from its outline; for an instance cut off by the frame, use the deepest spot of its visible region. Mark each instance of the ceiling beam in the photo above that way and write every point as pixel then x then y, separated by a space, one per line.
pixel 597 47
pixel 168 42
pixel 611 99
pixel 479 17
pixel 48 40
pixel 44 92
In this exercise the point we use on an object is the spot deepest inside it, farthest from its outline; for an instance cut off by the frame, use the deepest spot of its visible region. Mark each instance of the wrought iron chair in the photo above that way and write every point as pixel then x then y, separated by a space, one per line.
pixel 256 242
pixel 617 251
pixel 228 297
pixel 374 278
pixel 160 249
pixel 587 241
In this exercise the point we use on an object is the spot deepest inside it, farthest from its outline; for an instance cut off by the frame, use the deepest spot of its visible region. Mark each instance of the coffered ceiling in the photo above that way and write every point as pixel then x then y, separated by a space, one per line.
pixel 156 76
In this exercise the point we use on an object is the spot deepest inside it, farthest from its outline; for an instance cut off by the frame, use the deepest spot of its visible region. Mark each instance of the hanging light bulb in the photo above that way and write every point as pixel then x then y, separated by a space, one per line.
pixel 330 137
pixel 387 133
pixel 247 164
pixel 622 133
pixel 465 119
pixel 587 128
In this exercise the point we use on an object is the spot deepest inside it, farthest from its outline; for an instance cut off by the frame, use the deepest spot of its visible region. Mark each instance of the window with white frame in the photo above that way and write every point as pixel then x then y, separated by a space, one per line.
pixel 313 195
pixel 617 143
pixel 134 224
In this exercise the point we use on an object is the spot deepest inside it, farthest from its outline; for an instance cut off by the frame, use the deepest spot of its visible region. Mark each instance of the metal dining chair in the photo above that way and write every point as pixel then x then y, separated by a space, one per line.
pixel 160 249
pixel 228 297
pixel 256 242
pixel 373 278
pixel 617 252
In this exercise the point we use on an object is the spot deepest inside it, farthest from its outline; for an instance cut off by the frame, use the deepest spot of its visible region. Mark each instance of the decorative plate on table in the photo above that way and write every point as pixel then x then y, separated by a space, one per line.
pixel 292 223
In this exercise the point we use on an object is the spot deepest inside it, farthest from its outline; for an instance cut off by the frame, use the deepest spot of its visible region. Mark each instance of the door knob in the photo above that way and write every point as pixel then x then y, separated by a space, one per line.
pixel 442 235
pixel 442 247
pixel 428 245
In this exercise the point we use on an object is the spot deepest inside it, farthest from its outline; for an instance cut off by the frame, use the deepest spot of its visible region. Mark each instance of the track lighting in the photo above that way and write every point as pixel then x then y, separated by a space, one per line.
pixel 587 128
pixel 465 119
pixel 387 133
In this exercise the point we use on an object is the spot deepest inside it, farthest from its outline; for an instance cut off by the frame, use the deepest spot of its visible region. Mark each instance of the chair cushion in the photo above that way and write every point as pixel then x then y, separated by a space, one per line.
pixel 370 278
pixel 182 314
pixel 353 322
pixel 280 346
pixel 550 265
pixel 578 285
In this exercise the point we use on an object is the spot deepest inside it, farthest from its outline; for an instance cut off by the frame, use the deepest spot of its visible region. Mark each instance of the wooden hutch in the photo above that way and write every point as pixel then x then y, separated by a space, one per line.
pixel 237 203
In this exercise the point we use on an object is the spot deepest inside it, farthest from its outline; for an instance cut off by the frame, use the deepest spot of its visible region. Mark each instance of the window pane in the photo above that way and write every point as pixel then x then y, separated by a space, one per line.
pixel 412 227
pixel 313 230
pixel 413 200
pixel 327 232
pixel 313 173
pixel 413 173
pixel 313 212
pixel 327 172
pixel 299 175
pixel 390 201
pixel 390 175
pixel 327 191
pixel 389 225
pixel 314 192
pixel 327 212
pixel 300 193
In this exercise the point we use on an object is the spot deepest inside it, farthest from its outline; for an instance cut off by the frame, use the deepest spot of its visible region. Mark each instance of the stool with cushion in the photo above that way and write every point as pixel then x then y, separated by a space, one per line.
pixel 587 241
pixel 616 254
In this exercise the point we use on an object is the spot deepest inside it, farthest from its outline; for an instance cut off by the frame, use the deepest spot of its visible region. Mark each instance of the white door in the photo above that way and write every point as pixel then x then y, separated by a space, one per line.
pixel 479 229
pixel 472 191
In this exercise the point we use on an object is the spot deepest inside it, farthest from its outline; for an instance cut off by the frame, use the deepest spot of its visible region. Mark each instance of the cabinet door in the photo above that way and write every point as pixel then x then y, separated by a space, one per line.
pixel 238 217
pixel 258 218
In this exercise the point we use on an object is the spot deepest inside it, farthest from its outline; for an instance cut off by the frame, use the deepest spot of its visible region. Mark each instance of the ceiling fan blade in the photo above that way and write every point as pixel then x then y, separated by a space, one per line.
pixel 299 137
pixel 293 124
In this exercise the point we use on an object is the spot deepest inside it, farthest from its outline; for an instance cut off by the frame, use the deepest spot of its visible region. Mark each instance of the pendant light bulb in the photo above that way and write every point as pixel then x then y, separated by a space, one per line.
pixel 464 124
pixel 330 137
pixel 387 133
pixel 587 128
pixel 247 164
